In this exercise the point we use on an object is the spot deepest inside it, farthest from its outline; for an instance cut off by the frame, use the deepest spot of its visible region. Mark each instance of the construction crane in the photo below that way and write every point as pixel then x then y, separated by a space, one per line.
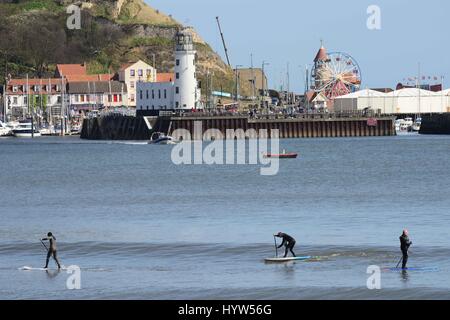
pixel 223 41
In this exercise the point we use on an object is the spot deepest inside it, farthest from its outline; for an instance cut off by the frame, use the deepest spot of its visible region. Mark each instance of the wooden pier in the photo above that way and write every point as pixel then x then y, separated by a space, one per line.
pixel 291 128
pixel 307 126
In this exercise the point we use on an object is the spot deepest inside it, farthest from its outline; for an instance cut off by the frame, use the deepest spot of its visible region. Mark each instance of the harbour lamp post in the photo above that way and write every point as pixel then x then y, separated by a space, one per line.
pixel 264 63
pixel 237 82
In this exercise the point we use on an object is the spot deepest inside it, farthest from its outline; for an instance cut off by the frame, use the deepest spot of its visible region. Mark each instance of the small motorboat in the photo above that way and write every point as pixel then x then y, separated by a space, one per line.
pixel 417 125
pixel 4 130
pixel 161 138
pixel 283 155
pixel 26 130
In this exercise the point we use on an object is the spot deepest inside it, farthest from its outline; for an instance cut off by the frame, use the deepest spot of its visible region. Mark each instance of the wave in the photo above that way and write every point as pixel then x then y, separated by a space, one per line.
pixel 131 249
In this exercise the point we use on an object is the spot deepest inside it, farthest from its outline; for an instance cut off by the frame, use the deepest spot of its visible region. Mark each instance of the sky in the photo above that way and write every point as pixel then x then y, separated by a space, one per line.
pixel 284 32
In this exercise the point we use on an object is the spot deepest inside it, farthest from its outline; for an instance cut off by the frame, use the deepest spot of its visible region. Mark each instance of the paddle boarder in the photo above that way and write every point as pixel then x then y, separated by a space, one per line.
pixel 288 242
pixel 405 243
pixel 51 250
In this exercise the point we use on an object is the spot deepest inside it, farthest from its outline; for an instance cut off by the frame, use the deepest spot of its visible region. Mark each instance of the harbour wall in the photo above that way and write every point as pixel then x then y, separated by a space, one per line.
pixel 136 128
pixel 289 128
pixel 436 124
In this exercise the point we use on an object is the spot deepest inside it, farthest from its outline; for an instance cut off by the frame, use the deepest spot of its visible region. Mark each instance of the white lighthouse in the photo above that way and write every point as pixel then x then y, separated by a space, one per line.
pixel 187 94
pixel 181 93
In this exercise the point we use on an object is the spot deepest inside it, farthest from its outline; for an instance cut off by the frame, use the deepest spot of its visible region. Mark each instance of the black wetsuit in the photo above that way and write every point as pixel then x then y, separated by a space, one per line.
pixel 405 243
pixel 51 251
pixel 288 242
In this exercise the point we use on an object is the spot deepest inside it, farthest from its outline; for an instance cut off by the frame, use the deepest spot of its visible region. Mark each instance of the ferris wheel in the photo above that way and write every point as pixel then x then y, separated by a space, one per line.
pixel 337 75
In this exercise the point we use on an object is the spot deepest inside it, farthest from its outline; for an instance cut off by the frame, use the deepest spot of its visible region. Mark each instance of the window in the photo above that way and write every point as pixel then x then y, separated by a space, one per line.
pixel 37 88
pixel 165 94
pixel 15 88
pixel 132 97
pixel 132 84
pixel 146 94
pixel 132 73
pixel 109 98
pixel 120 98
pixel 25 100
pixel 149 74
pixel 140 94
pixel 178 75
pixel 177 104
pixel 59 100
pixel 140 73
pixel 159 94
pixel 177 90
pixel 48 88
pixel 153 94
pixel 14 100
pixel 178 62
pixel 147 107
pixel 76 98
pixel 82 97
pixel 116 98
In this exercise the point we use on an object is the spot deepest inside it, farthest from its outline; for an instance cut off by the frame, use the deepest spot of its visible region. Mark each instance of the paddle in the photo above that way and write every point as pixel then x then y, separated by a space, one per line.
pixel 401 259
pixel 276 246
pixel 44 245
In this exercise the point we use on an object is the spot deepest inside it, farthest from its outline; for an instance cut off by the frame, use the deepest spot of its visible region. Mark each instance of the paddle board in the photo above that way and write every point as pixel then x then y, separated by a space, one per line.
pixel 26 268
pixel 280 260
pixel 416 269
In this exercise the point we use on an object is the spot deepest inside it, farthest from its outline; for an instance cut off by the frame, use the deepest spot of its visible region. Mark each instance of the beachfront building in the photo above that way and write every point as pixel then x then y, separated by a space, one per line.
pixel 133 73
pixel 180 94
pixel 26 96
pixel 403 101
pixel 88 96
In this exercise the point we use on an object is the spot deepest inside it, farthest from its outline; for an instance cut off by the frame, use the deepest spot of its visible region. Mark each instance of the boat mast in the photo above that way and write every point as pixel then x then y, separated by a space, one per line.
pixel 4 103
pixel 288 85
pixel 418 84
pixel 29 109
pixel 253 79
pixel 62 107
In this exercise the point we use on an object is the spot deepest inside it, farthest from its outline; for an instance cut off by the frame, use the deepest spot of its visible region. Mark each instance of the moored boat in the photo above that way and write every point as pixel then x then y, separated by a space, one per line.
pixel 26 130
pixel 5 130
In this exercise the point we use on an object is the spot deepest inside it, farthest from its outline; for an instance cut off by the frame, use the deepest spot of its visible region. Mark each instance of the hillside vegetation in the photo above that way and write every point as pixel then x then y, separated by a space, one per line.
pixel 34 38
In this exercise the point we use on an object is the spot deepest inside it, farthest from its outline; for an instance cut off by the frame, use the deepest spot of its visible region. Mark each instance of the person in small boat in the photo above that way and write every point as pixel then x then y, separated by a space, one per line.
pixel 288 242
pixel 405 243
pixel 51 250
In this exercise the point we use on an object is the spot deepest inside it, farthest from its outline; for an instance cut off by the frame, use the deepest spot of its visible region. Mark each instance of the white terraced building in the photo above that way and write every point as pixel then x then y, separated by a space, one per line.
pixel 181 94
pixel 403 101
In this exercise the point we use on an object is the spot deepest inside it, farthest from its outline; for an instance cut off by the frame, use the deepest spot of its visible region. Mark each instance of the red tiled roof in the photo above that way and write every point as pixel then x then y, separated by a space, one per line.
pixel 71 69
pixel 126 65
pixel 321 55
pixel 89 78
pixel 165 77
pixel 311 95
pixel 21 83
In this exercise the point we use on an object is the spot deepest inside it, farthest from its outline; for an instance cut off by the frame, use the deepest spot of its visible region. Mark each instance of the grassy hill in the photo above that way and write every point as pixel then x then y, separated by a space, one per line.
pixel 34 37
